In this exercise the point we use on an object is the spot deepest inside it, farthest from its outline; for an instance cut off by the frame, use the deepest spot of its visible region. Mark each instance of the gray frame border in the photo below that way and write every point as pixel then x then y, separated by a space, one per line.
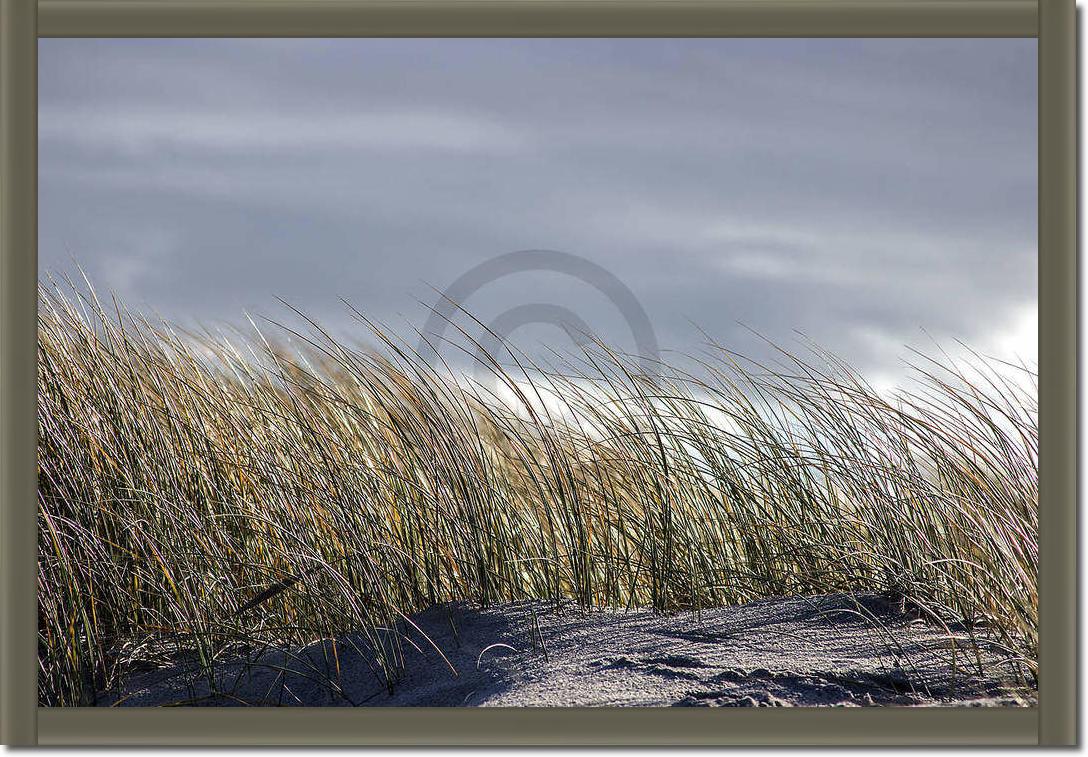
pixel 1053 21
pixel 18 370
pixel 1058 653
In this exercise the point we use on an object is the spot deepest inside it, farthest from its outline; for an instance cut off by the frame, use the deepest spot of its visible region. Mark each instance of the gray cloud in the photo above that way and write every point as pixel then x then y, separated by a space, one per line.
pixel 856 190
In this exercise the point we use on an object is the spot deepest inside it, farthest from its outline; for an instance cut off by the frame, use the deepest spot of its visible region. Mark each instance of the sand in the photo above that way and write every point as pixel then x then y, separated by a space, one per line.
pixel 834 650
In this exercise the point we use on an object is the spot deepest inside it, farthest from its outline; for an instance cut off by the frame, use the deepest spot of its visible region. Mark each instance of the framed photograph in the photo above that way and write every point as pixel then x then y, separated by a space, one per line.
pixel 536 372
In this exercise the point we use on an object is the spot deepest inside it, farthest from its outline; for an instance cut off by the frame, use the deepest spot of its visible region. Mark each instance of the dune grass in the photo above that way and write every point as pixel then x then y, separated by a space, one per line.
pixel 207 493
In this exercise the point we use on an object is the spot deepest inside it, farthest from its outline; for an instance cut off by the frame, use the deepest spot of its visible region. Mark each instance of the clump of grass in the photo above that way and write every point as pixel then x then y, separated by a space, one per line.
pixel 214 492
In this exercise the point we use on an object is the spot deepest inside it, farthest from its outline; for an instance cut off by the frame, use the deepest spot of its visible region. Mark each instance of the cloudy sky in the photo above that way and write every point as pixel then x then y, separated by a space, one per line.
pixel 868 193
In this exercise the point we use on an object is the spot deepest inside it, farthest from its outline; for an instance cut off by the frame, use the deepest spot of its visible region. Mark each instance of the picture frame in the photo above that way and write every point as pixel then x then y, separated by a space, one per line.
pixel 1052 723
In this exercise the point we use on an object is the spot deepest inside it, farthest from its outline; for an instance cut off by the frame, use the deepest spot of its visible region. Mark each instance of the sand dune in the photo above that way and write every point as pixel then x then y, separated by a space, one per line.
pixel 834 650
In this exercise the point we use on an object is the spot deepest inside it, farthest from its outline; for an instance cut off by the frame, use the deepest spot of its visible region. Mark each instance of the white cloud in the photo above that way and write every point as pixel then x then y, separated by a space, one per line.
pixel 1017 341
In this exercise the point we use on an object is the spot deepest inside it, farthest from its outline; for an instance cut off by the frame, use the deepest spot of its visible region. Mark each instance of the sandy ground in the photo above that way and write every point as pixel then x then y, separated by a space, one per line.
pixel 835 650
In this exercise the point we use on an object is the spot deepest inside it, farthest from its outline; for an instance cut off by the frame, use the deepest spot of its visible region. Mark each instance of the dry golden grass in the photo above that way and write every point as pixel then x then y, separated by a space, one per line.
pixel 212 492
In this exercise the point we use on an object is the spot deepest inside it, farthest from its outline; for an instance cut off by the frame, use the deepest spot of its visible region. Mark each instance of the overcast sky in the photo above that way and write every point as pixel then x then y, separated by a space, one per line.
pixel 864 192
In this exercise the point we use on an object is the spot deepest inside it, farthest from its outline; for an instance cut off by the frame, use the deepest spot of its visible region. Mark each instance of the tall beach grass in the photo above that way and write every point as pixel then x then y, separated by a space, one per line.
pixel 206 493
